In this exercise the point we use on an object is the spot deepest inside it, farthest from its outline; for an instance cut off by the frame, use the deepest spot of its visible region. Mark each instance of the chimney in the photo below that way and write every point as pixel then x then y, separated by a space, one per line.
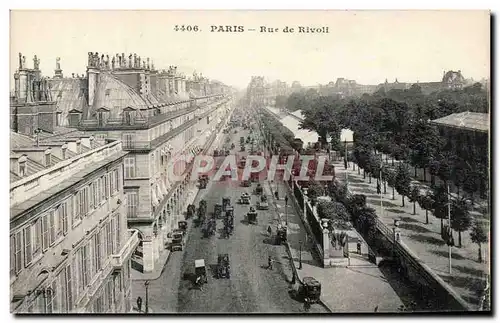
pixel 47 159
pixel 64 149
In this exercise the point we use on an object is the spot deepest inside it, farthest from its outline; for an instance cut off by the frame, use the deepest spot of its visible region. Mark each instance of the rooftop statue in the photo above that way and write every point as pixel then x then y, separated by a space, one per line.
pixel 58 63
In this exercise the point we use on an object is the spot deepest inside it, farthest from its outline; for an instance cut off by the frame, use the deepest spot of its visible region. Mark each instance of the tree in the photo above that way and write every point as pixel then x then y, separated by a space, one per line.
pixel 314 191
pixel 336 212
pixel 440 205
pixel 391 179
pixel 479 236
pixel 366 221
pixel 426 202
pixel 414 196
pixel 403 181
pixel 434 171
pixel 460 217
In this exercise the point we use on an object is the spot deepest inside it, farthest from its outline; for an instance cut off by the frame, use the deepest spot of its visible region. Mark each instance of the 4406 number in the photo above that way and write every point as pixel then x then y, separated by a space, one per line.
pixel 186 28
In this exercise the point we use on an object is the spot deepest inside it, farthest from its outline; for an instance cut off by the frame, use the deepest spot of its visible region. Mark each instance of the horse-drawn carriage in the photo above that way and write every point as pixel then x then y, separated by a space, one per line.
pixel 244 199
pixel 217 211
pixel 252 216
pixel 209 227
pixel 191 210
pixel 203 181
pixel 223 267
pixel 263 204
pixel 258 189
pixel 202 211
pixel 200 271
pixel 281 233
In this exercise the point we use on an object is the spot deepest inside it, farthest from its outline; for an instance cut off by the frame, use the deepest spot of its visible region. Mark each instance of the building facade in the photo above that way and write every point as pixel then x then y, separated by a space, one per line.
pixel 104 200
pixel 70 248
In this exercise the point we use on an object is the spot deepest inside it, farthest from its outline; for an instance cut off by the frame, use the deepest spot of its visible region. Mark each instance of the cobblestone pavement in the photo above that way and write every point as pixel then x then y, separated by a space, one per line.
pixel 251 288
pixel 423 239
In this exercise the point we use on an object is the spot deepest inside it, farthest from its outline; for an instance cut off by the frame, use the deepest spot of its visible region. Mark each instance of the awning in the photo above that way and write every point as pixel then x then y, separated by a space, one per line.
pixel 154 198
pixel 163 186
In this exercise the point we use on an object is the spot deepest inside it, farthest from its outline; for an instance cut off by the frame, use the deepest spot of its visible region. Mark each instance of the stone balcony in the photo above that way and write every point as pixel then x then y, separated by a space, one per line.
pixel 118 260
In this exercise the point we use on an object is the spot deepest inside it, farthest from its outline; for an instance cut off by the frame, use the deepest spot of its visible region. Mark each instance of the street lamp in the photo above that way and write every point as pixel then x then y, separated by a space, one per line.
pixel 146 284
pixel 286 209
pixel 300 254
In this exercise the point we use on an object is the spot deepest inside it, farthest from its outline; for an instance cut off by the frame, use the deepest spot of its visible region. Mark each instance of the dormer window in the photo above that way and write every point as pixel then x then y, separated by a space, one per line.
pixel 47 158
pixel 102 116
pixel 22 166
pixel 74 117
pixel 128 116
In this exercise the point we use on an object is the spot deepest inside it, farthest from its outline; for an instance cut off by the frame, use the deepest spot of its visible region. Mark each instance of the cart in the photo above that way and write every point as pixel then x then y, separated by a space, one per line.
pixel 183 225
pixel 310 289
pixel 244 199
pixel 191 210
pixel 230 211
pixel 203 180
pixel 200 270
pixel 258 189
pixel 217 211
pixel 226 201
pixel 223 267
pixel 281 234
pixel 252 216
pixel 176 244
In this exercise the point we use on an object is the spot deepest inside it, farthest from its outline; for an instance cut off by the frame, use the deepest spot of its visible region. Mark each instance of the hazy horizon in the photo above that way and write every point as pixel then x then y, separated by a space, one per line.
pixel 365 46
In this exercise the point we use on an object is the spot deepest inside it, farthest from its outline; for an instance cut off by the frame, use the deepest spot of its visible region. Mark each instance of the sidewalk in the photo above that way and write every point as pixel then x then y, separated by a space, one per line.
pixel 424 239
pixel 353 289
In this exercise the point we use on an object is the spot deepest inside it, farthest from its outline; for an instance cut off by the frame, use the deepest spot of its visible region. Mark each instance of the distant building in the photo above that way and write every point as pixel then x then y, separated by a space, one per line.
pixel 450 80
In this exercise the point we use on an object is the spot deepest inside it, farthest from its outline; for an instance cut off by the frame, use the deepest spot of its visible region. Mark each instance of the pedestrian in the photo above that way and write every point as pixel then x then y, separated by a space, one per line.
pixel 269 230
pixel 307 304
pixel 378 188
pixel 376 309
pixel 270 263
pixel 198 283
pixel 139 303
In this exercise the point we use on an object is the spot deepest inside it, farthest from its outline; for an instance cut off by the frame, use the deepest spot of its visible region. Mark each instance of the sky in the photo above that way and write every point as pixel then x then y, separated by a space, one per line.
pixel 366 46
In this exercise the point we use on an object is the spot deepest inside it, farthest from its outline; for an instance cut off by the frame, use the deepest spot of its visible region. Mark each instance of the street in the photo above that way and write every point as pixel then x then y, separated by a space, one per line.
pixel 252 287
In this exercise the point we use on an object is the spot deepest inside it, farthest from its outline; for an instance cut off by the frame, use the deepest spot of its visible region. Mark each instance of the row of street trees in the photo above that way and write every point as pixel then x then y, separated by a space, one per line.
pixel 396 123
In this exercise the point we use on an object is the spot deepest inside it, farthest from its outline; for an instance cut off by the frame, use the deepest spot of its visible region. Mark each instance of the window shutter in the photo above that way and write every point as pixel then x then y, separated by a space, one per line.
pixel 64 217
pixel 19 247
pixel 113 235
pixel 110 238
pixel 91 199
pixel 118 234
pixel 28 252
pixel 12 255
pixel 62 295
pixel 52 226
pixel 45 232
pixel 69 288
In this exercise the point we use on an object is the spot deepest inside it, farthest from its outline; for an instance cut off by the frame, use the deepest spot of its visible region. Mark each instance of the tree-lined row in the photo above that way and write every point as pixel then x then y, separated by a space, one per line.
pixel 397 124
